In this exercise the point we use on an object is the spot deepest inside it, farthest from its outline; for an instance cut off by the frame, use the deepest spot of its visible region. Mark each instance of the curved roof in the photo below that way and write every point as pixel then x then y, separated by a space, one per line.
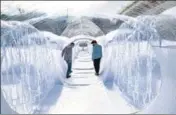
pixel 79 37
pixel 82 26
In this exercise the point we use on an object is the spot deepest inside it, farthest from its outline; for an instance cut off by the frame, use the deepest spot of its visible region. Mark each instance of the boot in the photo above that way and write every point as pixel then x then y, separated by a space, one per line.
pixel 68 76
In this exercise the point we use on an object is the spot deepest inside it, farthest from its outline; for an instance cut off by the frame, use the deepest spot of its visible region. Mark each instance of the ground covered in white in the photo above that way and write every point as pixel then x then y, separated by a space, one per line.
pixel 85 93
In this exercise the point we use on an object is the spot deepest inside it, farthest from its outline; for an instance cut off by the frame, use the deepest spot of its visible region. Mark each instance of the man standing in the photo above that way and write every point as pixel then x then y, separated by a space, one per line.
pixel 67 54
pixel 96 55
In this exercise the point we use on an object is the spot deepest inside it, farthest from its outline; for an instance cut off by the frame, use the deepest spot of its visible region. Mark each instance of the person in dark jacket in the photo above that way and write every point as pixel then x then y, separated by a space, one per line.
pixel 67 54
pixel 96 55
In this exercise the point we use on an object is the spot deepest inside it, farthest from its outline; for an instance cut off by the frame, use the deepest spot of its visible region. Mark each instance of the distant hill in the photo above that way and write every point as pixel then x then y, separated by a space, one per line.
pixel 21 17
pixel 56 26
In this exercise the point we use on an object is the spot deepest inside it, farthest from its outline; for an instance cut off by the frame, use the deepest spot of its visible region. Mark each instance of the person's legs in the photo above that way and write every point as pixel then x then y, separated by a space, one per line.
pixel 69 69
pixel 95 65
pixel 98 65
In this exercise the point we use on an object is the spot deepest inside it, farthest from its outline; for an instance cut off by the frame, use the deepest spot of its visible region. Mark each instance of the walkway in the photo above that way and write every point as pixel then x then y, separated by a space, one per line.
pixel 87 95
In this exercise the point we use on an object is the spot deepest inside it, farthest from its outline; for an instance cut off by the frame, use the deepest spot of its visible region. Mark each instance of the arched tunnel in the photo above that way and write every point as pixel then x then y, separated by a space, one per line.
pixel 137 69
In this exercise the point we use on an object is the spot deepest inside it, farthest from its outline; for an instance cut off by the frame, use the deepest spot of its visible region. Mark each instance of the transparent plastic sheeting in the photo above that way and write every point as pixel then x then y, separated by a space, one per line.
pixel 133 68
pixel 31 64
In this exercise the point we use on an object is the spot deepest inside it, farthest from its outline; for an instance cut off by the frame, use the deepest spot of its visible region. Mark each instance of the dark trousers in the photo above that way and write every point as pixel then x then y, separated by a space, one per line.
pixel 97 65
pixel 69 69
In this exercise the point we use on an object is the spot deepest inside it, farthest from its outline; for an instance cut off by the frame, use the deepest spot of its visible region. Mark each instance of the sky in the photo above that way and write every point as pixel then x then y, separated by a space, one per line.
pixel 60 7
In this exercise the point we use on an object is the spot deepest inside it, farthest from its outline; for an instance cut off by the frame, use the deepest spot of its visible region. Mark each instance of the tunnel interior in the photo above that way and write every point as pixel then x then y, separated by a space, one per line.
pixel 137 66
